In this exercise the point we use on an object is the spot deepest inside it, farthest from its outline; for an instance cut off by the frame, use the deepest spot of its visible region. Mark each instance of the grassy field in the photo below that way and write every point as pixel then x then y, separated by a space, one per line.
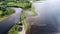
pixel 3 18
pixel 13 30
pixel 1 12
pixel 16 4
pixel 1 2
pixel 33 13
pixel 23 5
pixel 22 17
pixel 5 12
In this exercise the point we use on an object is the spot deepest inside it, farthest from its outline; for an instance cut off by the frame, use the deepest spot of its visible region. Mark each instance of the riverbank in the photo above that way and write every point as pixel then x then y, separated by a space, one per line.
pixel 26 15
pixel 13 30
pixel 6 13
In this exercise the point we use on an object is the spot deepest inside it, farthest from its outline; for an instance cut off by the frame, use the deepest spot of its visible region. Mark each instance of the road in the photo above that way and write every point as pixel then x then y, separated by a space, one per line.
pixel 10 21
pixel 48 19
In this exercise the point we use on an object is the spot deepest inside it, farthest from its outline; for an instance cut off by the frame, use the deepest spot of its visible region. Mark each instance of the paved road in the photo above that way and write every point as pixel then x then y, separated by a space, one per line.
pixel 48 19
pixel 10 21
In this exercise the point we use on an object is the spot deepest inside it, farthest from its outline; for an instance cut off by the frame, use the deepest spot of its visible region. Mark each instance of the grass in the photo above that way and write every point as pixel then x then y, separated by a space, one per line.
pixel 16 4
pixel 3 17
pixel 1 12
pixel 26 25
pixel 22 17
pixel 13 30
pixel 1 2
pixel 33 13
pixel 23 5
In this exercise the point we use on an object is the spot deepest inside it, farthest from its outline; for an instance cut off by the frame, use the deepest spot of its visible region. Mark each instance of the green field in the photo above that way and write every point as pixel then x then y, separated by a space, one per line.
pixel 5 12
pixel 23 5
pixel 13 30
pixel 1 12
